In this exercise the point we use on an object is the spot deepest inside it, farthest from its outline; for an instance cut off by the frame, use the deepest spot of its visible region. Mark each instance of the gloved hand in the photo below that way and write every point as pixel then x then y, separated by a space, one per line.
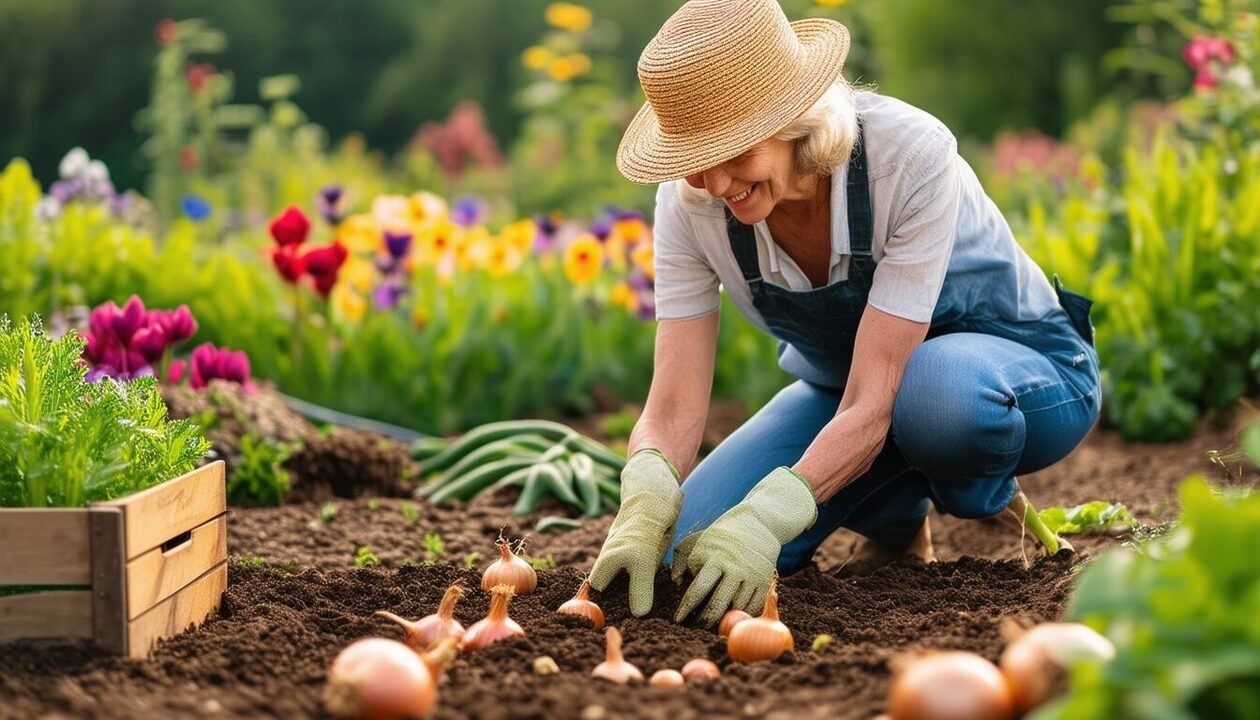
pixel 639 537
pixel 735 557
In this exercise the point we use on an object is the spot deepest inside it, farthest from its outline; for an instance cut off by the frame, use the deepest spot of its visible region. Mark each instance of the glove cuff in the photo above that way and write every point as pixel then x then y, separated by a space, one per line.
pixel 785 501
pixel 647 471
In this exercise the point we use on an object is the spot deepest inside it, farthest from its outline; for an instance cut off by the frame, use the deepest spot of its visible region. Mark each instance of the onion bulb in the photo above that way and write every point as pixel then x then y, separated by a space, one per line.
pixel 379 679
pixel 761 638
pixel 950 686
pixel 497 625
pixel 666 678
pixel 700 669
pixel 615 668
pixel 730 620
pixel 581 606
pixel 1036 661
pixel 429 629
pixel 509 570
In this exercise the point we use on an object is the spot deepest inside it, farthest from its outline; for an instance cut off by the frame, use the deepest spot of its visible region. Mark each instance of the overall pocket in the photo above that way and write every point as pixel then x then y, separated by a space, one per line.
pixel 1077 309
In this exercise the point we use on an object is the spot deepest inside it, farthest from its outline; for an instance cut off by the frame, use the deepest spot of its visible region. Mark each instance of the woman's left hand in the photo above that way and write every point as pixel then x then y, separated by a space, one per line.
pixel 733 560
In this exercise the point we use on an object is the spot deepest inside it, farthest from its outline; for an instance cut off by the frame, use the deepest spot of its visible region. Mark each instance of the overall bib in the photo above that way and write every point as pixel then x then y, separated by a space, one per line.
pixel 1016 396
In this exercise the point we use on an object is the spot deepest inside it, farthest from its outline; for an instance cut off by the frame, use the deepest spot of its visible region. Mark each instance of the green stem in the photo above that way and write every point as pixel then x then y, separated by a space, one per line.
pixel 1053 543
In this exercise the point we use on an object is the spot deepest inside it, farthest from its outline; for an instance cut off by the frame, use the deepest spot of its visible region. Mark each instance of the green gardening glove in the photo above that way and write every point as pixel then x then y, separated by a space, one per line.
pixel 735 557
pixel 639 537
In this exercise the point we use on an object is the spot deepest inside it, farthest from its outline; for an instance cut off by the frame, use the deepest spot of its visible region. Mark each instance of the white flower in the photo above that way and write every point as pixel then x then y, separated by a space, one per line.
pixel 1240 76
pixel 96 172
pixel 75 162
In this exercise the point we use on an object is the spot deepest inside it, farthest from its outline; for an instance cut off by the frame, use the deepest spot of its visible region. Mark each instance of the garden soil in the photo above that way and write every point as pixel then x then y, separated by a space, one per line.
pixel 295 599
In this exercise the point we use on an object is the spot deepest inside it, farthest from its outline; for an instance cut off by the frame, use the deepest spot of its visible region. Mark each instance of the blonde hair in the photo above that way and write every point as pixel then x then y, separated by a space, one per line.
pixel 823 137
pixel 825 134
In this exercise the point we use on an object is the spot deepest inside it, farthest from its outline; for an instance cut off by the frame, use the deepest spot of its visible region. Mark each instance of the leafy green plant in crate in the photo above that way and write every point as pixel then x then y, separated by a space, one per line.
pixel 1182 611
pixel 65 442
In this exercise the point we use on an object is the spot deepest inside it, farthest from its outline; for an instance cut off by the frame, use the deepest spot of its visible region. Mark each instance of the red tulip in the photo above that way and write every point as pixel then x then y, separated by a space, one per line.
pixel 165 31
pixel 1205 81
pixel 291 227
pixel 289 262
pixel 323 264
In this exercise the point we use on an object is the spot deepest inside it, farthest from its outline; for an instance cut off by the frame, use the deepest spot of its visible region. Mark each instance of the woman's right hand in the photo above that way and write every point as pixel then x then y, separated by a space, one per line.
pixel 641 533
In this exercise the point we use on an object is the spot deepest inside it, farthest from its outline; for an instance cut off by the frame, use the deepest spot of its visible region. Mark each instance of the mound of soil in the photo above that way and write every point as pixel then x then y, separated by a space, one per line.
pixel 348 463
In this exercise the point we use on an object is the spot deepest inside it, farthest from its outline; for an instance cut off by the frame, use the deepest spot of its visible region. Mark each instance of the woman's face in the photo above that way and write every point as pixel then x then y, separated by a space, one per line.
pixel 752 184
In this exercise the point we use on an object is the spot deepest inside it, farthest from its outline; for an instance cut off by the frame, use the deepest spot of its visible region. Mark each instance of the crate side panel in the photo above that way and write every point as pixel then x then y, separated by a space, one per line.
pixel 158 574
pixel 57 614
pixel 45 547
pixel 190 606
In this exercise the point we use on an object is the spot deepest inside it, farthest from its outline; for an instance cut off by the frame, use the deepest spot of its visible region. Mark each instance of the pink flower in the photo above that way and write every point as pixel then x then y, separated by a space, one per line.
pixel 1198 52
pixel 211 363
pixel 177 324
pixel 175 373
pixel 1205 81
pixel 150 343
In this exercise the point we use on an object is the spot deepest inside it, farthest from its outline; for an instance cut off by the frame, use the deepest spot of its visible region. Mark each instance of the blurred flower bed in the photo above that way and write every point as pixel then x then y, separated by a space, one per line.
pixel 412 290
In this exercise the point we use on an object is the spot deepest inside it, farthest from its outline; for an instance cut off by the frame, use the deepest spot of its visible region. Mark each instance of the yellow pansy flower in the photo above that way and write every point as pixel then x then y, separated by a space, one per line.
pixel 520 234
pixel 360 233
pixel 348 304
pixel 583 259
pixel 622 295
pixel 426 208
pixel 580 63
pixel 632 230
pixel 568 16
pixel 642 256
pixel 536 57
pixel 615 251
pixel 357 273
pixel 504 259
pixel 436 241
pixel 472 248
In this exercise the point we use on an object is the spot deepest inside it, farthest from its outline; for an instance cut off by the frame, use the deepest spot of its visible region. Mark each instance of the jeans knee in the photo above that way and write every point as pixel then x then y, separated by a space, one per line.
pixel 952 431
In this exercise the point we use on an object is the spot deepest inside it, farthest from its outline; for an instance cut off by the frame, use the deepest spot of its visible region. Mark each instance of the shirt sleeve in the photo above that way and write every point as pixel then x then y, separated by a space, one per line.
pixel 686 284
pixel 909 277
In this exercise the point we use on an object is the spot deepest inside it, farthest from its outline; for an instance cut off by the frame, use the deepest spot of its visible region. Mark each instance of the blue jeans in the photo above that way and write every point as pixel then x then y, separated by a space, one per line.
pixel 973 411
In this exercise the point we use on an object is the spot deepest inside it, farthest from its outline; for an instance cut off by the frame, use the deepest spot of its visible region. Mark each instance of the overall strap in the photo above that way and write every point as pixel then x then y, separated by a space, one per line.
pixel 858 193
pixel 744 244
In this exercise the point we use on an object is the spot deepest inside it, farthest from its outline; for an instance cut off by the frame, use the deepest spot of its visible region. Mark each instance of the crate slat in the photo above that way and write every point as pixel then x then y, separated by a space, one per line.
pixel 173 615
pixel 45 547
pixel 56 614
pixel 160 513
pixel 157 574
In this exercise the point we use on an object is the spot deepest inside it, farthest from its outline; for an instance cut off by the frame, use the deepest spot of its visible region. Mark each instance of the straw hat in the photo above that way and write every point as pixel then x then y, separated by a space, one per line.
pixel 722 76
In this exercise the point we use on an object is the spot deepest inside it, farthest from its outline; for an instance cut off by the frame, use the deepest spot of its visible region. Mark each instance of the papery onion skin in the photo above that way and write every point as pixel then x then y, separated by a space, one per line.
pixel 1036 661
pixel 581 606
pixel 950 686
pixel 509 570
pixel 700 669
pixel 730 620
pixel 379 679
pixel 430 629
pixel 666 678
pixel 615 669
pixel 496 625
pixel 761 638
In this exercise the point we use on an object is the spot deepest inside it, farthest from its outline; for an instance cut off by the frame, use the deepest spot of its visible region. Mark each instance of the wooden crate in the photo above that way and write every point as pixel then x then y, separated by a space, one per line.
pixel 155 562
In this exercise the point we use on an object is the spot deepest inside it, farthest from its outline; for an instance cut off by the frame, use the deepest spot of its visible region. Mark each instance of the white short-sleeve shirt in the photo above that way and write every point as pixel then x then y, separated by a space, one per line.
pixel 928 207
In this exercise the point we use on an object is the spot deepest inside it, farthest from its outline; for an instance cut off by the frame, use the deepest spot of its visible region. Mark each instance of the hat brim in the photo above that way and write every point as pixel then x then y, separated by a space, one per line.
pixel 648 155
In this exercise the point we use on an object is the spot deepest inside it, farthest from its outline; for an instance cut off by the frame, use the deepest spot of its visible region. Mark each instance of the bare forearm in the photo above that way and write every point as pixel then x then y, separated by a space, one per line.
pixel 676 435
pixel 842 452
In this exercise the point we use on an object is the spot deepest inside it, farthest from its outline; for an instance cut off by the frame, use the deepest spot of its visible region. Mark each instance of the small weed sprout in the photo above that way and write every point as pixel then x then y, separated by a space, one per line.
pixel 470 560
pixel 328 513
pixel 410 513
pixel 434 548
pixel 373 505
pixel 366 558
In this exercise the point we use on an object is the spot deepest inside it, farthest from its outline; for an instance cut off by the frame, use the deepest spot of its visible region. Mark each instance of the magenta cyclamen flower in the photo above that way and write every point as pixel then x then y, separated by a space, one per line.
pixel 211 363
pixel 131 341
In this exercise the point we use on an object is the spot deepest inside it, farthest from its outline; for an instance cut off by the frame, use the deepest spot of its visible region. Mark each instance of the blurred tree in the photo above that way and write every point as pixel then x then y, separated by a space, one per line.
pixel 76 71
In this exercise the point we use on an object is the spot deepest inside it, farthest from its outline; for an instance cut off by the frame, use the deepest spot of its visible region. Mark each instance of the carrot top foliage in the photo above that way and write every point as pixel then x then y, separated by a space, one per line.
pixel 65 442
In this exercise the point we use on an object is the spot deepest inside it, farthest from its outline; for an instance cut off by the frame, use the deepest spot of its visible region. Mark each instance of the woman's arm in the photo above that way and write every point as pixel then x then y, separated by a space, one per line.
pixel 847 446
pixel 678 400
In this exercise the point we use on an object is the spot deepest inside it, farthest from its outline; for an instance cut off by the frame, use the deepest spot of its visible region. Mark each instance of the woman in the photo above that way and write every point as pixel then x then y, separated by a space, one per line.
pixel 934 360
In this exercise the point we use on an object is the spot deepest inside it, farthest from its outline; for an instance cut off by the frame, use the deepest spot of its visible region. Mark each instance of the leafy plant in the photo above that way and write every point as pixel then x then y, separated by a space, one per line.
pixel 328 512
pixel 434 548
pixel 1092 518
pixel 364 557
pixel 410 513
pixel 65 442
pixel 542 563
pixel 1182 612
pixel 259 477
pixel 373 505
pixel 470 560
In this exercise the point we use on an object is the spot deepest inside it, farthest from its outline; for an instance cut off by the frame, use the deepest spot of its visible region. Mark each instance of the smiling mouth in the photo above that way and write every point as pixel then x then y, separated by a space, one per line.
pixel 737 199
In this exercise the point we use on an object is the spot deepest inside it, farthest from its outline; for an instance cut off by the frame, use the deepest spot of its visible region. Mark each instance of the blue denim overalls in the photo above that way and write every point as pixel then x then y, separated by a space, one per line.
pixel 1003 372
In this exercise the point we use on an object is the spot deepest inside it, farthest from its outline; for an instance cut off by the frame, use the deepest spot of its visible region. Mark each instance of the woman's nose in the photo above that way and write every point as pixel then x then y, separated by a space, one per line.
pixel 716 181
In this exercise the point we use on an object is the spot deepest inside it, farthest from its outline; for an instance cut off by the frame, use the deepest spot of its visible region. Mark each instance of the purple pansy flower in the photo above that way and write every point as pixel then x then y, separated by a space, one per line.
pixel 468 211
